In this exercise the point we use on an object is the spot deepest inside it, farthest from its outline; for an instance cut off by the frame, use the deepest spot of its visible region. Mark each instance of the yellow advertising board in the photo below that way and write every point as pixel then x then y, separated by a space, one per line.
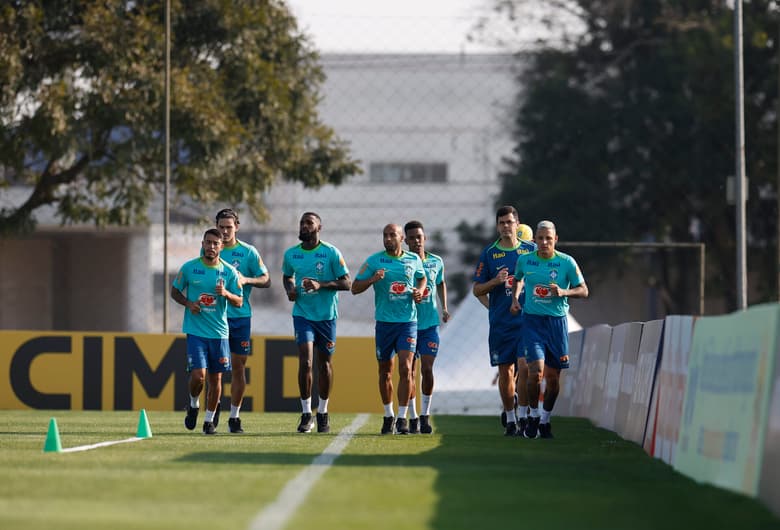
pixel 124 371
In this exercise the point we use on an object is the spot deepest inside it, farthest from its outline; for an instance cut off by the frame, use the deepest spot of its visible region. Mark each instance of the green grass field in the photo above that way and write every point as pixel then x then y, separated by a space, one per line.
pixel 467 475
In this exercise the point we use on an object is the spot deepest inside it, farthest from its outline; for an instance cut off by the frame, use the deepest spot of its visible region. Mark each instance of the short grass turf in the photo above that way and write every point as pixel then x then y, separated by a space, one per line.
pixel 466 475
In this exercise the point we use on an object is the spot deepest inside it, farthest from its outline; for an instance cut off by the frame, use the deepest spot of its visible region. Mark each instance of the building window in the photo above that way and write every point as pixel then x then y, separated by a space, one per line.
pixel 408 172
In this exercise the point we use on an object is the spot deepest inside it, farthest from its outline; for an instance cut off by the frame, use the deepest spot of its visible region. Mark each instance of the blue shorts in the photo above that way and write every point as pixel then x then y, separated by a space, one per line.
pixel 505 345
pixel 392 337
pixel 211 354
pixel 427 341
pixel 546 338
pixel 240 335
pixel 322 333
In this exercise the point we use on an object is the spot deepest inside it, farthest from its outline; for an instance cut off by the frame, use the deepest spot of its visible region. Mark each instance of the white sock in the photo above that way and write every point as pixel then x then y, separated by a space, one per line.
pixel 545 416
pixel 389 409
pixel 306 406
pixel 412 409
pixel 234 411
pixel 210 415
pixel 194 402
pixel 510 417
pixel 425 409
pixel 534 412
pixel 323 406
pixel 522 411
pixel 402 411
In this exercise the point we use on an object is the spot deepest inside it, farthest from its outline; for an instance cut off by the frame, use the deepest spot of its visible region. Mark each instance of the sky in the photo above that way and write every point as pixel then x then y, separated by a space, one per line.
pixel 391 26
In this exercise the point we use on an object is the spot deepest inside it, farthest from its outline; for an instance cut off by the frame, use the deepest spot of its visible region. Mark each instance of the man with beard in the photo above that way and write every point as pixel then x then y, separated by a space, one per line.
pixel 398 279
pixel 312 273
pixel 251 273
pixel 210 284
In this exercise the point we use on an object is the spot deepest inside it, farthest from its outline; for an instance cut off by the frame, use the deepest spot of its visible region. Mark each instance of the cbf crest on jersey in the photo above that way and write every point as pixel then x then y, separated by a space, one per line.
pixel 319 267
pixel 553 274
pixel 409 270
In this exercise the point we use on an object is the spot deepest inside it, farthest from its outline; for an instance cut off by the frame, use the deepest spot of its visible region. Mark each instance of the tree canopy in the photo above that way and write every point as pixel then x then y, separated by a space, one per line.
pixel 627 133
pixel 82 99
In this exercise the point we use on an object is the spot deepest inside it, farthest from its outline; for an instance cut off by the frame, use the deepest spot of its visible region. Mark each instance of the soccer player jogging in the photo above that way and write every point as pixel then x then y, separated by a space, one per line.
pixel 210 285
pixel 551 278
pixel 398 279
pixel 494 277
pixel 427 325
pixel 312 273
pixel 251 273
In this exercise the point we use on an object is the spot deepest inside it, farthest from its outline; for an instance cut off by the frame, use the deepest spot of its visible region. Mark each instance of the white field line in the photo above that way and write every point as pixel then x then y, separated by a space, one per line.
pixel 101 444
pixel 276 514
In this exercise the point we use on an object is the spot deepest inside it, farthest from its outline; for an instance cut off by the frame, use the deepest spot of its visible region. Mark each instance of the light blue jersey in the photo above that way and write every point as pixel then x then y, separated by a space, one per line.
pixel 198 282
pixel 428 309
pixel 393 293
pixel 539 273
pixel 323 263
pixel 245 259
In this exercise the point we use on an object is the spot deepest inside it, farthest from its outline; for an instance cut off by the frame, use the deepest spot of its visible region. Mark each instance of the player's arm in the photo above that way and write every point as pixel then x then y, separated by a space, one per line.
pixel 233 299
pixel 262 281
pixel 257 273
pixel 484 288
pixel 581 291
pixel 484 300
pixel 359 286
pixel 342 283
pixel 289 287
pixel 179 298
pixel 441 288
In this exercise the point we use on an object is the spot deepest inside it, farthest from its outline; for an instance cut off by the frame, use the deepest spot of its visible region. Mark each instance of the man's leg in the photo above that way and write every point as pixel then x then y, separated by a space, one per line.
pixel 506 389
pixel 552 377
pixel 197 376
pixel 214 395
pixel 535 371
pixel 522 392
pixel 386 392
pixel 324 384
pixel 305 356
pixel 426 385
pixel 414 420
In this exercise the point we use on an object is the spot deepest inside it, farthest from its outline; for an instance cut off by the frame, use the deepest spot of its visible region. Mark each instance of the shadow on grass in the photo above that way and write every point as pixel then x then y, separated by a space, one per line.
pixel 584 478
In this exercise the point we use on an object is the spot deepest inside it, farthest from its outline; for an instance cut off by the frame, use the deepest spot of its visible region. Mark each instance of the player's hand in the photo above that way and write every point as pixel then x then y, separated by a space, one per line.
pixel 445 315
pixel 502 275
pixel 194 307
pixel 221 289
pixel 556 290
pixel 241 279
pixel 310 285
pixel 515 307
pixel 379 274
pixel 416 295
pixel 292 295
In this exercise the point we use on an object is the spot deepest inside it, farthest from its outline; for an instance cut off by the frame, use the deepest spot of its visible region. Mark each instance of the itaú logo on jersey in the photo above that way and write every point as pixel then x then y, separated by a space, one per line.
pixel 542 291
pixel 207 299
pixel 398 287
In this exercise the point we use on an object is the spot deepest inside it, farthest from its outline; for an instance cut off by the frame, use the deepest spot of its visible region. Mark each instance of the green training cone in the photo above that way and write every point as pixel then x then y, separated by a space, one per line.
pixel 53 444
pixel 144 431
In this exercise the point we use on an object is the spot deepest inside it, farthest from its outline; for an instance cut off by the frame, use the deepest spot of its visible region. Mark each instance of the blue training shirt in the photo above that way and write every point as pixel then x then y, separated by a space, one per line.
pixel 428 308
pixel 393 293
pixel 198 281
pixel 323 263
pixel 245 259
pixel 493 259
pixel 539 273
